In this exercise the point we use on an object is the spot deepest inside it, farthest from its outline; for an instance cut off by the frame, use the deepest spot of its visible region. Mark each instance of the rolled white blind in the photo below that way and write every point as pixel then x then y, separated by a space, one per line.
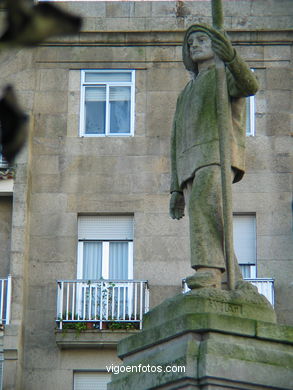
pixel 105 227
pixel 103 77
pixel 119 93
pixel 98 94
pixel 244 232
pixel 91 380
pixel 95 94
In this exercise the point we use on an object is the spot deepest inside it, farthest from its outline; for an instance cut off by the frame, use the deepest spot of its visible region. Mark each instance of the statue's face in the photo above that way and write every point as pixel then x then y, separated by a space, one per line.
pixel 200 47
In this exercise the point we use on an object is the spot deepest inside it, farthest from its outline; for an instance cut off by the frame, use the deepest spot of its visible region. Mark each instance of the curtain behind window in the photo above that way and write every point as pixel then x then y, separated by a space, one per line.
pixel 118 261
pixel 92 260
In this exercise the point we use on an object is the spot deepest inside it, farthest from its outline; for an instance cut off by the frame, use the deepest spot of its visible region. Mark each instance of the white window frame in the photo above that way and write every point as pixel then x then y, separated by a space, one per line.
pixel 108 84
pixel 252 270
pixel 105 267
pixel 252 266
pixel 105 258
pixel 250 131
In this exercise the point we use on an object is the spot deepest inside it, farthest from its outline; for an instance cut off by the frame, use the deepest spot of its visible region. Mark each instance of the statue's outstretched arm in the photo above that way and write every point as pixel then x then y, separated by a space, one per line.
pixel 241 80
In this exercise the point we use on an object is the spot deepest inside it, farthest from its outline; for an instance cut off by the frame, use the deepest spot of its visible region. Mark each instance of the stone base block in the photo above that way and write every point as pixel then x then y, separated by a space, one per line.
pixel 207 340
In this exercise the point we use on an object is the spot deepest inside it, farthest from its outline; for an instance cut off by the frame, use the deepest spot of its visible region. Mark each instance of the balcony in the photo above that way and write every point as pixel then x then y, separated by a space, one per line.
pixel 265 287
pixel 5 300
pixel 101 304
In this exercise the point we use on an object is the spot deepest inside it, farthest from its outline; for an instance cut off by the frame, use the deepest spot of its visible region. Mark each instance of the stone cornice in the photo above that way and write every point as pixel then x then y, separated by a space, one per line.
pixel 163 37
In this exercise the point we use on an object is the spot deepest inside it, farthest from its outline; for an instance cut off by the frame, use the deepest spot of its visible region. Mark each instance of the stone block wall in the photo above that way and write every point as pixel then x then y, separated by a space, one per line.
pixel 5 234
pixel 62 175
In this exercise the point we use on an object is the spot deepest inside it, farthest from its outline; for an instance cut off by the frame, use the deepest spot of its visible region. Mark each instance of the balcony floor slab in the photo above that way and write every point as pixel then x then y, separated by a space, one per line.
pixel 94 339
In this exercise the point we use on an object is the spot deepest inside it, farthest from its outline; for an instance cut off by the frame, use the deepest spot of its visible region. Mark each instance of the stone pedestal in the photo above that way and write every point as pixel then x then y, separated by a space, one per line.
pixel 223 340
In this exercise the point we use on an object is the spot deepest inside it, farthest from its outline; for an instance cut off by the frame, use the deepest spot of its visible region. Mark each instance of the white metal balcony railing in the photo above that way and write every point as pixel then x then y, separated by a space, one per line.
pixel 5 300
pixel 101 301
pixel 265 287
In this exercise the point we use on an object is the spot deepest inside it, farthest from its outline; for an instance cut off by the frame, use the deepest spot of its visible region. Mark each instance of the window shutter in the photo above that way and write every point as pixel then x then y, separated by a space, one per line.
pixel 244 231
pixel 91 380
pixel 95 94
pixel 102 77
pixel 105 227
pixel 119 94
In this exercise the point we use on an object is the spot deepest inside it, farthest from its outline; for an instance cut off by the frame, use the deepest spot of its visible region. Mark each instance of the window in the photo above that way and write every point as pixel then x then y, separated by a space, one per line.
pixel 107 103
pixel 244 231
pixel 105 247
pixel 250 116
pixel 91 380
pixel 3 162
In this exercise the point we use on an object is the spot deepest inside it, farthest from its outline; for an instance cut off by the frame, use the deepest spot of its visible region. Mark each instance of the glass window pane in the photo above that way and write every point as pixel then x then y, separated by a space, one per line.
pixel 95 110
pixel 3 162
pixel 103 77
pixel 248 113
pixel 119 110
pixel 92 260
pixel 245 270
pixel 244 233
pixel 118 260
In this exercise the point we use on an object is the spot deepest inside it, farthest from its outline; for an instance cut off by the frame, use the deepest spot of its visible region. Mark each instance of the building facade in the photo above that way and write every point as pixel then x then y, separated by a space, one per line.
pixel 85 233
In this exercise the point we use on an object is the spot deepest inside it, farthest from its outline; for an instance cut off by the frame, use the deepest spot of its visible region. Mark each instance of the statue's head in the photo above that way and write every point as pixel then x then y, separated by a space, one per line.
pixel 197 46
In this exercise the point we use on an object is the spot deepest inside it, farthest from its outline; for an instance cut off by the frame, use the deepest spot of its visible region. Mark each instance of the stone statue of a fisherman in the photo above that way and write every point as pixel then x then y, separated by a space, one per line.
pixel 196 169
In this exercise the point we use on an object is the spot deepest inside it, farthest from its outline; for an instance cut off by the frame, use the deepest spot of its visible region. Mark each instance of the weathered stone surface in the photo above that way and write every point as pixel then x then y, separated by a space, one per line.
pixel 217 337
pixel 221 359
pixel 53 102
pixel 70 339
pixel 201 309
pixel 153 49
pixel 5 233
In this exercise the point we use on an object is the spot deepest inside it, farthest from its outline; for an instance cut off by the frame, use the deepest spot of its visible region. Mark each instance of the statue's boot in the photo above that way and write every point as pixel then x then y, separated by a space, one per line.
pixel 205 278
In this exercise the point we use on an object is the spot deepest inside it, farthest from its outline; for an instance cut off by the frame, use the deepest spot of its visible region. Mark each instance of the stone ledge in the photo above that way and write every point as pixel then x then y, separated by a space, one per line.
pixel 243 312
pixel 212 361
pixel 245 303
pixel 162 37
pixel 6 186
pixel 199 323
pixel 274 332
pixel 94 339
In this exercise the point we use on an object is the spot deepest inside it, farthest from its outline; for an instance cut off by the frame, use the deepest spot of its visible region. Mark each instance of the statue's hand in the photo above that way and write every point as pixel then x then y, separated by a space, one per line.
pixel 222 46
pixel 177 205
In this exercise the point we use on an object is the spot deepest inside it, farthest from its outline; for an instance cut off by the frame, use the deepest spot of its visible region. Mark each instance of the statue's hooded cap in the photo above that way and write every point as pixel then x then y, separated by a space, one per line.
pixel 204 28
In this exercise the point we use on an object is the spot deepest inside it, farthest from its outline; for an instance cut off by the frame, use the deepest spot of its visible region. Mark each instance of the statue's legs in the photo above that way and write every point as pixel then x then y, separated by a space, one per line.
pixel 203 197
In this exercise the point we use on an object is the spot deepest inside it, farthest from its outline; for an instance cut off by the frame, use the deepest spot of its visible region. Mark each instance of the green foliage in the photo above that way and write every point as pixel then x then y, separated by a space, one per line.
pixel 77 326
pixel 122 325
